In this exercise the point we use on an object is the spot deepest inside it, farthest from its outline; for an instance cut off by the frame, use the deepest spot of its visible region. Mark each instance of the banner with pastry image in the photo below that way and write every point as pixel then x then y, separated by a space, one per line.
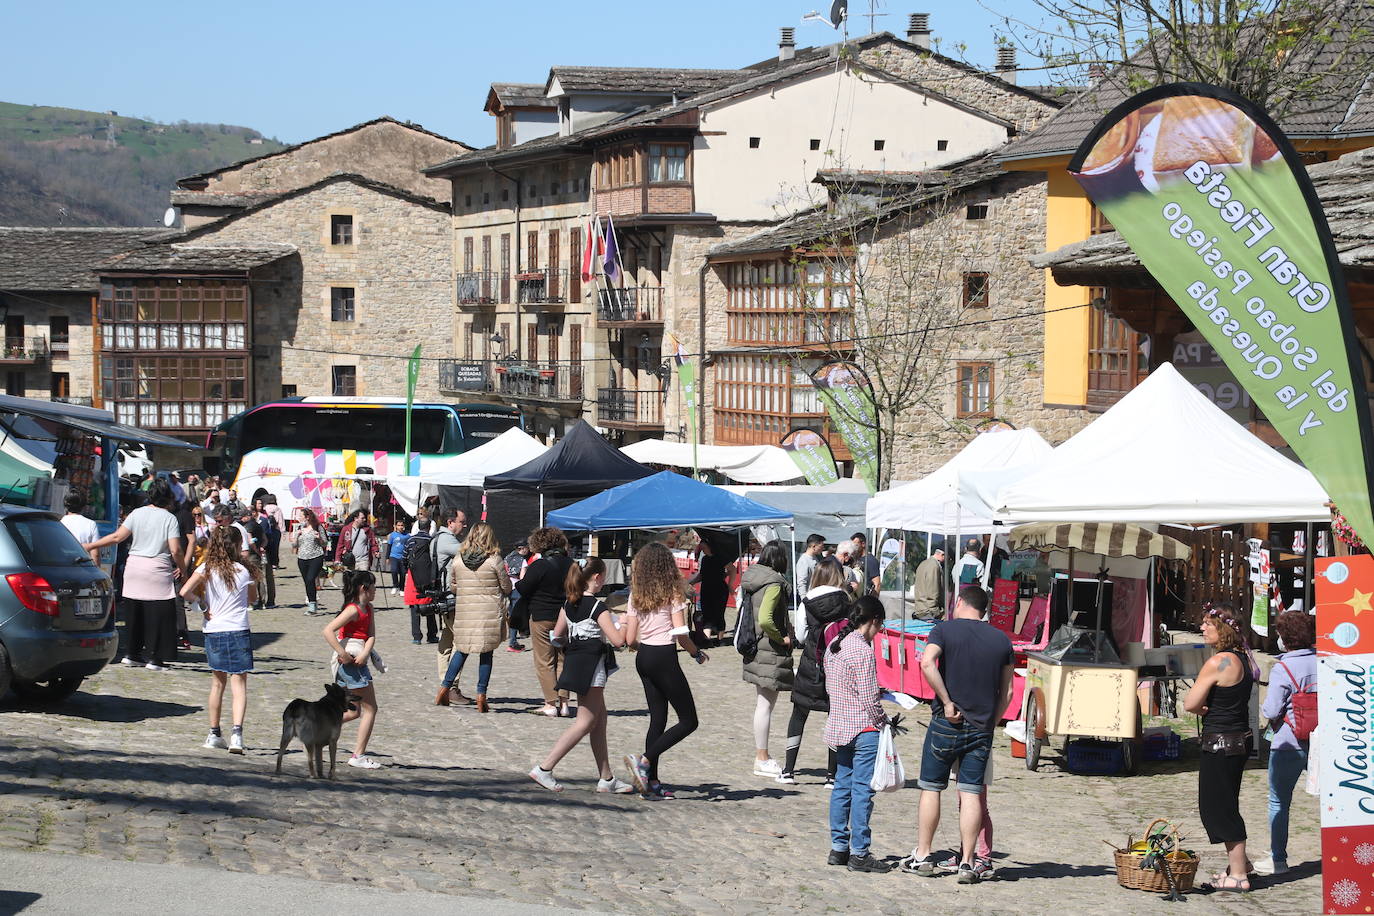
pixel 1216 203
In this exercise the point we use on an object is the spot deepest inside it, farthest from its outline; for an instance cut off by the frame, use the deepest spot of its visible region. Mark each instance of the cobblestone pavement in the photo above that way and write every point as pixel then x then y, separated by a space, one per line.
pixel 118 772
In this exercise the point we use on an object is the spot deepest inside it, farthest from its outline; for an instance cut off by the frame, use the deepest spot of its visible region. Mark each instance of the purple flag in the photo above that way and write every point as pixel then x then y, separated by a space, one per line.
pixel 610 261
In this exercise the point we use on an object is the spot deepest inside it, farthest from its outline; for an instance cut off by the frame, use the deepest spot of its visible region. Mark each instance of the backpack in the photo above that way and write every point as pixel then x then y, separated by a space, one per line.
pixel 747 628
pixel 421 562
pixel 1303 721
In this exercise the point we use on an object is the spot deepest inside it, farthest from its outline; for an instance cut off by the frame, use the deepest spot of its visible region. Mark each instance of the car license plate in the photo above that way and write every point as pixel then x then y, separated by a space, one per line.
pixel 90 607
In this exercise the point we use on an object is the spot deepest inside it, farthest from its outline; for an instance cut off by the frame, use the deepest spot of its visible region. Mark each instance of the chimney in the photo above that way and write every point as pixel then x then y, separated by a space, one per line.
pixel 918 30
pixel 1006 63
pixel 787 43
pixel 1096 72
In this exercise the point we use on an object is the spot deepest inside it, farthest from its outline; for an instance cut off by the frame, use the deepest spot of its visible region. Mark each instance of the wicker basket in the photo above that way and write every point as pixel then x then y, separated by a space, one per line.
pixel 1131 873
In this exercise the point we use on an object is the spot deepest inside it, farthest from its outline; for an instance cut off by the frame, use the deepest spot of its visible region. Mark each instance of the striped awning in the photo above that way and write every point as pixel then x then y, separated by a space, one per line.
pixel 1115 539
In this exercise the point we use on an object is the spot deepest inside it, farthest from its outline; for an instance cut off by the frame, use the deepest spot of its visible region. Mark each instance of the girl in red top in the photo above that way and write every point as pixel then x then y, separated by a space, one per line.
pixel 352 635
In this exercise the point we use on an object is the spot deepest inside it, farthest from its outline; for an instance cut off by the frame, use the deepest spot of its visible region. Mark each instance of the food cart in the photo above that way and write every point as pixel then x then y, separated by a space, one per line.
pixel 1079 685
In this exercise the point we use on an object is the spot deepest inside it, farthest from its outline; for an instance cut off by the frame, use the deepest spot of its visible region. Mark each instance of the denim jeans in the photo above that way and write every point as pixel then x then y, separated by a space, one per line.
pixel 455 665
pixel 1285 766
pixel 851 801
pixel 948 746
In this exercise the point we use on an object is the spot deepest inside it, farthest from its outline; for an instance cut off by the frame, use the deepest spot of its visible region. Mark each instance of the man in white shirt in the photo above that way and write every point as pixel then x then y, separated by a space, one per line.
pixel 81 527
pixel 968 569
pixel 806 563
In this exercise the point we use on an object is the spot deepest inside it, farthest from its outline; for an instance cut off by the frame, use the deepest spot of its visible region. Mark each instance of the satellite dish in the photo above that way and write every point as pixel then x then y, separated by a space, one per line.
pixel 171 217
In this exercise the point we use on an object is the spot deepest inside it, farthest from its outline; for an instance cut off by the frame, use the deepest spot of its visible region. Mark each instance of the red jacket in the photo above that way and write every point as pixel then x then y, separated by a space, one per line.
pixel 345 544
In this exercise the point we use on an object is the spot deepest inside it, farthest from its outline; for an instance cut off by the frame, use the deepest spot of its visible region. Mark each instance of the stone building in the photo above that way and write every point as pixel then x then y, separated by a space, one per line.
pixel 321 290
pixel 678 161
pixel 384 150
pixel 922 279
pixel 48 290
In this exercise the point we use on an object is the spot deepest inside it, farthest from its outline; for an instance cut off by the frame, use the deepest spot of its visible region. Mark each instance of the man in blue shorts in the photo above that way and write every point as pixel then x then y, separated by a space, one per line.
pixel 968 663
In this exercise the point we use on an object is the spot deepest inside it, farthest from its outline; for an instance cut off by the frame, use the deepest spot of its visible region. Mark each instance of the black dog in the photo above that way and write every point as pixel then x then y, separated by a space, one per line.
pixel 316 724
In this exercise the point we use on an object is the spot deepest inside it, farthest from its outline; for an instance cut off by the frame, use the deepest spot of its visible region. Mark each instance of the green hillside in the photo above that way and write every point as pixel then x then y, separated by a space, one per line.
pixel 63 166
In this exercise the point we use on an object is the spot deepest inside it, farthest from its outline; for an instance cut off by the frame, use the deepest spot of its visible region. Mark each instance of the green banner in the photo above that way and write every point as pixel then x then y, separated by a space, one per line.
pixel 1215 202
pixel 412 462
pixel 845 390
pixel 811 453
pixel 687 377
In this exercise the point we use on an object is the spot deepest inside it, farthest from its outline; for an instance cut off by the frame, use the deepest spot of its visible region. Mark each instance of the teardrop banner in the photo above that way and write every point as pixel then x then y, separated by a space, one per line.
pixel 1215 202
pixel 847 393
pixel 810 452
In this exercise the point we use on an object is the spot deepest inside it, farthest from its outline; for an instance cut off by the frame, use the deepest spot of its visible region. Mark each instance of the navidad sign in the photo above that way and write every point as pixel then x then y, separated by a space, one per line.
pixel 1218 207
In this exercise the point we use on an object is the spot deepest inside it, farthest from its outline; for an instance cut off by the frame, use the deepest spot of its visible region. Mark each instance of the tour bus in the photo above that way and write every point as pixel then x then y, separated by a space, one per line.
pixel 290 447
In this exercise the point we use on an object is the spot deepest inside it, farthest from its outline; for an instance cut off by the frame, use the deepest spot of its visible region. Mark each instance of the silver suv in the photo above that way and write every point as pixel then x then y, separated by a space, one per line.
pixel 56 609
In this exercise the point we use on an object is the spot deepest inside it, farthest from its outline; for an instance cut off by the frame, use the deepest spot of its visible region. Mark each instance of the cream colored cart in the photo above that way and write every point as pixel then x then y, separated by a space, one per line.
pixel 1080 699
pixel 1078 693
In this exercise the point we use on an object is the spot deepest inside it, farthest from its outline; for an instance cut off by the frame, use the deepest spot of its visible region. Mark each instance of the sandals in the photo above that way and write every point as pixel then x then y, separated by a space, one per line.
pixel 1230 884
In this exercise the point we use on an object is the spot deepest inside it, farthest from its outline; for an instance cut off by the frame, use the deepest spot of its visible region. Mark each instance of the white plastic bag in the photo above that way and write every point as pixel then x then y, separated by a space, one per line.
pixel 888 773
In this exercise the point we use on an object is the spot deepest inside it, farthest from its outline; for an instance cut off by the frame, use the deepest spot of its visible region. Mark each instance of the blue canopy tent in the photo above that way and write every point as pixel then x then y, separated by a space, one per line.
pixel 665 500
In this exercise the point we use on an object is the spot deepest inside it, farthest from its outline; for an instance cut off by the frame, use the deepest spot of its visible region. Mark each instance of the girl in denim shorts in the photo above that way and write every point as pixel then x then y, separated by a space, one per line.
pixel 351 635
pixel 228 590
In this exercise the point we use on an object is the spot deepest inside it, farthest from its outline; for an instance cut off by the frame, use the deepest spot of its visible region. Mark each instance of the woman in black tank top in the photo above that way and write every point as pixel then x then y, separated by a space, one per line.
pixel 1221 694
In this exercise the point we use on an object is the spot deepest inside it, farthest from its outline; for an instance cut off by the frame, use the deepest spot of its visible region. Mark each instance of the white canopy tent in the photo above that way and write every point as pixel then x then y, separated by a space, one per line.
pixel 931 503
pixel 1163 453
pixel 743 463
pixel 507 451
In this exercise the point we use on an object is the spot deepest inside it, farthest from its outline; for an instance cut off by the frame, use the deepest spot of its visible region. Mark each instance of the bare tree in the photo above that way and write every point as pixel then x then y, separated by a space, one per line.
pixel 883 288
pixel 1288 55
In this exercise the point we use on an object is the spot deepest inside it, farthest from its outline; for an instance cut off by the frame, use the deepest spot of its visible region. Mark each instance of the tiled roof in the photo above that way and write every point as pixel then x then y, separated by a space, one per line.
pixel 817 223
pixel 1345 187
pixel 384 119
pixel 178 257
pixel 54 260
pixel 656 80
pixel 1333 111
pixel 523 95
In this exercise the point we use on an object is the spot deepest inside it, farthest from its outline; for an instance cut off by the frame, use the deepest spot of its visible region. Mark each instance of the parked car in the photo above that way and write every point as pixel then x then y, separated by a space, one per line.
pixel 56 608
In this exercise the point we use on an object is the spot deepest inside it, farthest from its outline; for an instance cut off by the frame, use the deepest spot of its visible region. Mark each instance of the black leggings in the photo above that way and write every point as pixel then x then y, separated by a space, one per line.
pixel 310 572
pixel 152 630
pixel 664 685
pixel 795 726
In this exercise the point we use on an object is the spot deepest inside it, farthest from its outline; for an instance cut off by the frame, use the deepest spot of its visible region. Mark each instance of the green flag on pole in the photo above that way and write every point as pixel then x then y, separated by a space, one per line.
pixel 412 462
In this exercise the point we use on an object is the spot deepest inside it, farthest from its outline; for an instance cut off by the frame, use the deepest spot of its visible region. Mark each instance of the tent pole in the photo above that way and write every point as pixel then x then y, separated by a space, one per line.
pixel 541 508
pixel 1309 568
pixel 958 521
pixel 796 598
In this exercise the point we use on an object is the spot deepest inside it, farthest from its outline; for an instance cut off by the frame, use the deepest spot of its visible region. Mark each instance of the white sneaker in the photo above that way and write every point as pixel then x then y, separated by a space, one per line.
pixel 769 768
pixel 215 742
pixel 236 742
pixel 614 785
pixel 1267 866
pixel 128 662
pixel 154 667
pixel 787 779
pixel 545 779
pixel 364 762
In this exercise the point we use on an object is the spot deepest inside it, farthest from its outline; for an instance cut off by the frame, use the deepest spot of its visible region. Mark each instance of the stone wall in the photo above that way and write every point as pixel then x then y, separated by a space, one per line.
pixel 934 251
pixel 399 268
pixel 386 151
pixel 983 92
pixel 76 362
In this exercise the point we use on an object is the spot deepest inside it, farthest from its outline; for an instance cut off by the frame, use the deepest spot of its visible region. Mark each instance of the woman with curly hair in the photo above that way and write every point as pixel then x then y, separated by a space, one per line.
pixel 655 618
pixel 1221 695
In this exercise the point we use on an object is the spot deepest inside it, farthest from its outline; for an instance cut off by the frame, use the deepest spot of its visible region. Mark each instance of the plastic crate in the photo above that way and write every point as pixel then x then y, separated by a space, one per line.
pixel 1090 757
pixel 1161 746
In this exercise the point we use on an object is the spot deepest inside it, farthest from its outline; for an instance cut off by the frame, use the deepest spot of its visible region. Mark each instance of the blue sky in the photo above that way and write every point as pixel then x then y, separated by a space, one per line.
pixel 296 69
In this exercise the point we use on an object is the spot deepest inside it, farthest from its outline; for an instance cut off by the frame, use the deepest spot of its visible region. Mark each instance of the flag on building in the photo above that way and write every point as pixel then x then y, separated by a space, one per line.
pixel 592 231
pixel 611 259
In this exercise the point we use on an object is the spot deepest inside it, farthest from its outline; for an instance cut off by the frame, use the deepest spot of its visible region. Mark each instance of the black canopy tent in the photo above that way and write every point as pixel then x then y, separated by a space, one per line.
pixel 581 464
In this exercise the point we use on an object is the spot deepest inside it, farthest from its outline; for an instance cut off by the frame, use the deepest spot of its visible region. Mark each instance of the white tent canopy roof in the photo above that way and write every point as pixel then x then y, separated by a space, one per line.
pixel 507 451
pixel 930 504
pixel 744 463
pixel 1163 453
